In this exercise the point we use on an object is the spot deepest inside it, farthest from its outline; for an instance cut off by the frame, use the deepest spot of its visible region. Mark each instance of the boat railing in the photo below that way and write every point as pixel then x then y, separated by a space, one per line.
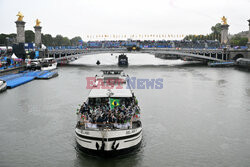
pixel 112 126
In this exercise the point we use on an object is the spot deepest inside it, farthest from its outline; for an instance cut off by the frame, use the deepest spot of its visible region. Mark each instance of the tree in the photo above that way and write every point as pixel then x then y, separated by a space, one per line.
pixel 216 29
pixel 216 34
pixel 58 40
pixel 11 40
pixel 75 41
pixel 3 39
pixel 238 41
pixel 66 41
pixel 29 36
pixel 243 41
pixel 47 40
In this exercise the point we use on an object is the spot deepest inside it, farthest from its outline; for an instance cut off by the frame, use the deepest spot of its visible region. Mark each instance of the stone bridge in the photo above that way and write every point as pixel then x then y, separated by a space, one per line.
pixel 219 55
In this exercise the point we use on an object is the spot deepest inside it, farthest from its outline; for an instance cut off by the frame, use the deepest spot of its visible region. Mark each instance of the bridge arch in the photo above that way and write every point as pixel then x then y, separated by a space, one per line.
pixel 238 56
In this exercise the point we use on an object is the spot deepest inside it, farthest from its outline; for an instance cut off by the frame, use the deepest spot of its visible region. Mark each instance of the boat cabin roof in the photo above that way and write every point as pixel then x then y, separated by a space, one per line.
pixel 98 93
pixel 120 90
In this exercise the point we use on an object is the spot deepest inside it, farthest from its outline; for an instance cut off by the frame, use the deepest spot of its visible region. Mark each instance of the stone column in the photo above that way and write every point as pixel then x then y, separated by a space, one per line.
pixel 224 34
pixel 248 43
pixel 38 36
pixel 20 37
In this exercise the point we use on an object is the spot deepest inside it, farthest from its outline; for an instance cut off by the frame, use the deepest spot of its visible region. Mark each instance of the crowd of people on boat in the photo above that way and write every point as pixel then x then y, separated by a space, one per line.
pixel 120 116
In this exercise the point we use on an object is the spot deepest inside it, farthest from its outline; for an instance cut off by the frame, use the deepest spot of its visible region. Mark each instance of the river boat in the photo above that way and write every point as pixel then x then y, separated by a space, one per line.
pixel 108 121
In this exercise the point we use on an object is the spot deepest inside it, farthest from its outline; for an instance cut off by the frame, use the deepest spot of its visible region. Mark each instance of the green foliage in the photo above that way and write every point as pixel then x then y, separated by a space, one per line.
pixel 66 41
pixel 29 36
pixel 75 41
pixel 13 35
pixel 238 41
pixel 216 29
pixel 203 37
pixel 215 35
pixel 47 39
pixel 58 40
pixel 4 38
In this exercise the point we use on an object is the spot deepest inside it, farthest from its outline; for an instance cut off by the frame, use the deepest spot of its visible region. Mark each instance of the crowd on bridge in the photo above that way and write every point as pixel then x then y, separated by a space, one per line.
pixel 119 117
pixel 199 44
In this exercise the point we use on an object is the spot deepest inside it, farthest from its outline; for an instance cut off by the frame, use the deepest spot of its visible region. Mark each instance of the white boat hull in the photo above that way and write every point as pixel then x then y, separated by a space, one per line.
pixel 110 141
pixel 50 68
pixel 3 86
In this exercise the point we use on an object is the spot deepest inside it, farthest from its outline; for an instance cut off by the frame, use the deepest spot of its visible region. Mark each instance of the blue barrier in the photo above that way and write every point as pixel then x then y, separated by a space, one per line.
pixel 10 77
pixel 14 80
pixel 18 81
pixel 33 73
pixel 47 75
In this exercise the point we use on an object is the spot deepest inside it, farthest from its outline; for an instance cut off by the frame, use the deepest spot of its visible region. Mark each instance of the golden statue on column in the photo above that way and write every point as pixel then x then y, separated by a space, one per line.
pixel 38 22
pixel 20 16
pixel 224 20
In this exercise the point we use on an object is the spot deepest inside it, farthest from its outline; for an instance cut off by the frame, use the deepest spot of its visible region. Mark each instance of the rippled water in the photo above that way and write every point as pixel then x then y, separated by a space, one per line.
pixel 201 117
pixel 135 59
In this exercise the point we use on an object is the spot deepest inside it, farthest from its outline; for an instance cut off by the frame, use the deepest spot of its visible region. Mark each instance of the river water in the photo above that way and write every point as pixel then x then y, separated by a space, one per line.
pixel 201 116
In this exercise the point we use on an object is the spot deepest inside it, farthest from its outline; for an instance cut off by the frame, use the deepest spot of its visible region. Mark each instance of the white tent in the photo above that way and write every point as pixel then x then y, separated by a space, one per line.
pixel 14 56
pixel 43 46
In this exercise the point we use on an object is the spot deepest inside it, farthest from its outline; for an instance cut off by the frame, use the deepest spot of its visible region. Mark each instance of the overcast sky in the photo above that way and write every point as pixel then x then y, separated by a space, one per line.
pixel 91 17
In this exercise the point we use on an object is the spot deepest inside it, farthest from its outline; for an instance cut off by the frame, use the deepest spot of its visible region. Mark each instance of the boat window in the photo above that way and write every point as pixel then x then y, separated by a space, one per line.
pixel 103 101
pixel 98 101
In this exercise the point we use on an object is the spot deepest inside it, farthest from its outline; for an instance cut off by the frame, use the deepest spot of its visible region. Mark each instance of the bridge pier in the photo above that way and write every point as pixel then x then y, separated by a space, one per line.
pixel 224 34
pixel 38 36
pixel 20 38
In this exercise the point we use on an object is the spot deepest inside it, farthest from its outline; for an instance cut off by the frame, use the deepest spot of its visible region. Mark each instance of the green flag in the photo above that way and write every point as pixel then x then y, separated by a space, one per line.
pixel 114 102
